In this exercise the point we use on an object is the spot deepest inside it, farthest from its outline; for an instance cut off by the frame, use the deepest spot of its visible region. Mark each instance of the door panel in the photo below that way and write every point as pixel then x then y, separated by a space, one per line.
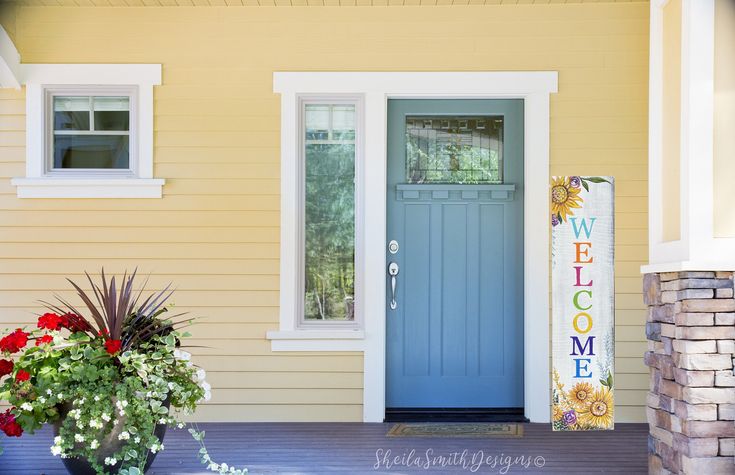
pixel 455 339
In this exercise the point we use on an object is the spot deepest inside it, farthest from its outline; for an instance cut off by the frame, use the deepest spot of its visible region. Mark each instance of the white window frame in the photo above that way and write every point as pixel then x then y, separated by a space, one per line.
pixel 131 92
pixel 534 87
pixel 333 325
pixel 294 330
pixel 42 80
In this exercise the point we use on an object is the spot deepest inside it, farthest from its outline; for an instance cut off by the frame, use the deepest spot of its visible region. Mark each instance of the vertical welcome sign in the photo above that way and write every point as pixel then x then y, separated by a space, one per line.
pixel 583 302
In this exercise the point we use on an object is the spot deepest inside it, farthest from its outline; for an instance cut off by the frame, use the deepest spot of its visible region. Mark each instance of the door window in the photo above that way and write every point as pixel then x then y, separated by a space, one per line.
pixel 454 149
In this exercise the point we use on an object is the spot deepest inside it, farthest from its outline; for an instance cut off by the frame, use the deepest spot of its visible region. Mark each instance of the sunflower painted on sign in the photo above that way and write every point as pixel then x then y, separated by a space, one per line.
pixel 580 394
pixel 565 195
pixel 583 407
pixel 599 412
pixel 564 198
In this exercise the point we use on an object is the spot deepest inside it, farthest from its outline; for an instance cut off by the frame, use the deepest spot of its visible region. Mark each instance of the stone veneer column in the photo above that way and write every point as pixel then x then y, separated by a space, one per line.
pixel 691 403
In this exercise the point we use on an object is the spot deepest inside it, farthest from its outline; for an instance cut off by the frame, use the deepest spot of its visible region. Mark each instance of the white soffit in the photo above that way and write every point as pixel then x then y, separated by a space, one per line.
pixel 9 61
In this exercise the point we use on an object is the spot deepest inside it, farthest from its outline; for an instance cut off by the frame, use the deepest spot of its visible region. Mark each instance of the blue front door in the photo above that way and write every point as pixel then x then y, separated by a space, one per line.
pixel 455 212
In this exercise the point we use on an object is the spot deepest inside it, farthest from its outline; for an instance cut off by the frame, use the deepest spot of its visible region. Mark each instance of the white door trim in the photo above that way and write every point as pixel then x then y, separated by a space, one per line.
pixel 534 87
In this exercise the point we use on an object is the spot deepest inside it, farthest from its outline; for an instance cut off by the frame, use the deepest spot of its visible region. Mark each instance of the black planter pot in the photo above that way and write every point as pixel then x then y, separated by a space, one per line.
pixel 108 446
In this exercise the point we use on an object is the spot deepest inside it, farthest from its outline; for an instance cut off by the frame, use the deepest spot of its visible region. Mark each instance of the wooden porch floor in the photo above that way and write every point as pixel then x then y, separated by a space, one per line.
pixel 350 448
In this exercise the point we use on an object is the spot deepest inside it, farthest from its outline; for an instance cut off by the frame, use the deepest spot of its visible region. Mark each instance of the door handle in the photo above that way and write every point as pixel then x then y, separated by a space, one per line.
pixel 393 272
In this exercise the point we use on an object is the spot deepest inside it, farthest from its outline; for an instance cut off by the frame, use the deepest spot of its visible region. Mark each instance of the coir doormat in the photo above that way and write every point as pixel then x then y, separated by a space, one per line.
pixel 478 431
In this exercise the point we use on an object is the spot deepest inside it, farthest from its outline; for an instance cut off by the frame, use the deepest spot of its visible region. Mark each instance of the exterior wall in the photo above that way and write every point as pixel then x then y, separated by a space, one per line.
pixel 691 403
pixel 724 120
pixel 215 232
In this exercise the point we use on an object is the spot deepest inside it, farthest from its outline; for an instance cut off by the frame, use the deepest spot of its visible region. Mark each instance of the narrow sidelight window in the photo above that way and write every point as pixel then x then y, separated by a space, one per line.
pixel 329 139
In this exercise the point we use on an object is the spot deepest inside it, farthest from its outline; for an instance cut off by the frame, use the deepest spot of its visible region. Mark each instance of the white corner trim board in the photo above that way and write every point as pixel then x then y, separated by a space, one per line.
pixel 38 78
pixel 375 88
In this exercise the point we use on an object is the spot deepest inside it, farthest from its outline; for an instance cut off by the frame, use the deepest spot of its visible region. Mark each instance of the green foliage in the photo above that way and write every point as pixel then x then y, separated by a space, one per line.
pixel 108 381
pixel 97 392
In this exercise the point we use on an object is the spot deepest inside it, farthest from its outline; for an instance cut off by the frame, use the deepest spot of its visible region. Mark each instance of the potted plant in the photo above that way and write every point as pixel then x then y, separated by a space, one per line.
pixel 110 376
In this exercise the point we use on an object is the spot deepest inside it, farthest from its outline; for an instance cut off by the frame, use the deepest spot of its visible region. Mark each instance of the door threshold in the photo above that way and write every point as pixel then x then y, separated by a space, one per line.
pixel 437 414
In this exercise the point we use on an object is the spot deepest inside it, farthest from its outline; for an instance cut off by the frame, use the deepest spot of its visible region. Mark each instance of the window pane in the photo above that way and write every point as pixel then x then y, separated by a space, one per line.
pixel 317 122
pixel 111 113
pixel 441 149
pixel 71 113
pixel 329 215
pixel 91 151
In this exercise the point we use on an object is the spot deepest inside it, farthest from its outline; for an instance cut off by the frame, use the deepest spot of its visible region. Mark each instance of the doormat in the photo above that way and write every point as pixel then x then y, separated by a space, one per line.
pixel 476 431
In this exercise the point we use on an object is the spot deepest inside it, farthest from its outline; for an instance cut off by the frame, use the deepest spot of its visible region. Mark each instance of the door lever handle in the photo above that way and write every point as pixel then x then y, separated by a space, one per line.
pixel 393 272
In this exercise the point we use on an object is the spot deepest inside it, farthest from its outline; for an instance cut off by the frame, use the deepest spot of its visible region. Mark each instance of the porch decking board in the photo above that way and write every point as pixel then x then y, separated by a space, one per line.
pixel 350 448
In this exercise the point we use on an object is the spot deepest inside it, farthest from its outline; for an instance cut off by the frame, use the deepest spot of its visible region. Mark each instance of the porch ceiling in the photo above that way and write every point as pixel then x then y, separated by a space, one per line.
pixel 314 3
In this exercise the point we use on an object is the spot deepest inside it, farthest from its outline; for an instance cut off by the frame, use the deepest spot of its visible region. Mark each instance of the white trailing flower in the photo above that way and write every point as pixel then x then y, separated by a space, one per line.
pixel 75 413
pixel 182 355
pixel 106 417
pixel 42 399
pixel 124 435
pixel 110 460
pixel 137 440
pixel 80 424
pixel 27 406
pixel 56 448
pixel 156 447
pixel 60 396
pixel 162 421
pixel 95 424
pixel 49 392
pixel 94 444
pixel 96 398
pixel 78 437
pixel 201 374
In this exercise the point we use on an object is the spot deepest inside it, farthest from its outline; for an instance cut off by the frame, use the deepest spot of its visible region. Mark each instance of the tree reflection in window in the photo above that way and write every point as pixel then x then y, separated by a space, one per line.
pixel 329 214
pixel 456 149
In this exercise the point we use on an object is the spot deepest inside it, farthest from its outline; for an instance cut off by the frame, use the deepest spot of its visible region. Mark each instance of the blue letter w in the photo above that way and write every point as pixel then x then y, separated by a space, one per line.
pixel 587 231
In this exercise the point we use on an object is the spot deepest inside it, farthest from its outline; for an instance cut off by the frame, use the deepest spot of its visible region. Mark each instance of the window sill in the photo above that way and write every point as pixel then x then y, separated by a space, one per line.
pixel 47 187
pixel 317 340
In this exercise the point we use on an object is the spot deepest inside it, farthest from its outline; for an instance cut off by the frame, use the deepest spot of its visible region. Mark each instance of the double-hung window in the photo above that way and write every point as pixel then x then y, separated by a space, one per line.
pixel 91 133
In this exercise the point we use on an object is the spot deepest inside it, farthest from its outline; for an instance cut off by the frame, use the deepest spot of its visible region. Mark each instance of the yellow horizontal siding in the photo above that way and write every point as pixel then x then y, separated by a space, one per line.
pixel 215 233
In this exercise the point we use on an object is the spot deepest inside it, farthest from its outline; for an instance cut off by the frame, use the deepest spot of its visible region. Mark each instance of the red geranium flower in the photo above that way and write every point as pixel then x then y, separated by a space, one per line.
pixel 22 375
pixel 50 321
pixel 6 367
pixel 113 346
pixel 74 323
pixel 9 425
pixel 14 342
pixel 44 339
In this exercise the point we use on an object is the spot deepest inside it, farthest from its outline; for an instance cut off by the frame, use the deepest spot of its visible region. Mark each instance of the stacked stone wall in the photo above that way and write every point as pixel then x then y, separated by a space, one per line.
pixel 691 399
